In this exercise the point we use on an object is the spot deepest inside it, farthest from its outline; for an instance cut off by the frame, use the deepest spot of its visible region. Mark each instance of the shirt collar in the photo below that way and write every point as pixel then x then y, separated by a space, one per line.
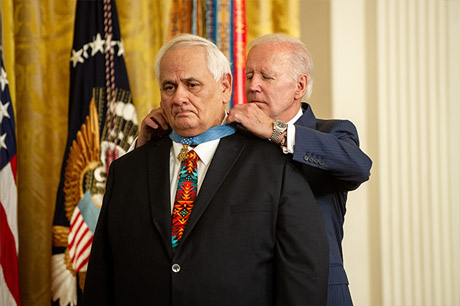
pixel 205 150
pixel 296 117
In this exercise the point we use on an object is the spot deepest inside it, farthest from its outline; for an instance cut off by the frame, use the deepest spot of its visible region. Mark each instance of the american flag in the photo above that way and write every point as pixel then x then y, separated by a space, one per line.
pixel 9 282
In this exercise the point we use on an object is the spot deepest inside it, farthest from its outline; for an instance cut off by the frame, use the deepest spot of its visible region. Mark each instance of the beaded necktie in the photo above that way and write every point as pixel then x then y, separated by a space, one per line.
pixel 185 196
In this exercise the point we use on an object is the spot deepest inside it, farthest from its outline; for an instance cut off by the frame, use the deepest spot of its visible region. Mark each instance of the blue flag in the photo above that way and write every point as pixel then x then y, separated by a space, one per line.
pixel 101 127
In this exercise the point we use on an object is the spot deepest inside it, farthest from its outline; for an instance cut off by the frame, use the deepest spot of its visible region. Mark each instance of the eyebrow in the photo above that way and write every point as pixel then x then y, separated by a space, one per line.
pixel 167 82
pixel 263 72
pixel 267 72
pixel 191 79
pixel 184 80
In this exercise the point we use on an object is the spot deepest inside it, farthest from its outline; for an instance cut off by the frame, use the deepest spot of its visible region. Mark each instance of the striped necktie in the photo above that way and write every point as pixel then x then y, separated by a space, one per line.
pixel 185 197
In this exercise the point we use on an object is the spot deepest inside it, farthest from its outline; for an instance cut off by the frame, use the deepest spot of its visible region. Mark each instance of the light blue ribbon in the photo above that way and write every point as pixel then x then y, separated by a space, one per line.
pixel 89 211
pixel 213 133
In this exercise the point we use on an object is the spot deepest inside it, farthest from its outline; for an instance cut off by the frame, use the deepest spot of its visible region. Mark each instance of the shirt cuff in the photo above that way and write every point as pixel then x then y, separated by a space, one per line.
pixel 290 141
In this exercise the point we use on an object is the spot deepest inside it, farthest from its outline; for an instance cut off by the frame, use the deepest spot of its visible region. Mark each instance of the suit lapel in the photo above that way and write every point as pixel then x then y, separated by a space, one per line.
pixel 159 189
pixel 224 159
pixel 308 119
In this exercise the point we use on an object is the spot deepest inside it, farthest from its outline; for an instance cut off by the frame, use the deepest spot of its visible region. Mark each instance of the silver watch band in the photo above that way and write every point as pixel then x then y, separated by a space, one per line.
pixel 278 128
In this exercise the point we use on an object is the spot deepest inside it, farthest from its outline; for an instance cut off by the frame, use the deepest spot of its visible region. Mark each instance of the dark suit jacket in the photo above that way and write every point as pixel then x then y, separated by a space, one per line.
pixel 255 235
pixel 333 164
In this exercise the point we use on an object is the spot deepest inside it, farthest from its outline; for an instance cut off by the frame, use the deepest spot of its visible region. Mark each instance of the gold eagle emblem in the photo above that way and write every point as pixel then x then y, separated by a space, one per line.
pixel 84 156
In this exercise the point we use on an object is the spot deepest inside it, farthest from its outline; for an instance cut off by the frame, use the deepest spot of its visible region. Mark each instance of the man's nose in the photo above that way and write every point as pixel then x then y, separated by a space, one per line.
pixel 253 84
pixel 180 96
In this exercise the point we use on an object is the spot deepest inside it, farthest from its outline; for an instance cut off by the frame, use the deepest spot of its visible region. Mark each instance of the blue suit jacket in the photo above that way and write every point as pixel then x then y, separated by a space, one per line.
pixel 333 165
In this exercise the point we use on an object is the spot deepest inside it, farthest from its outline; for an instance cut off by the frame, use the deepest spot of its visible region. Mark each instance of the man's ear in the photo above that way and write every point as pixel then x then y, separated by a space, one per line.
pixel 301 86
pixel 227 81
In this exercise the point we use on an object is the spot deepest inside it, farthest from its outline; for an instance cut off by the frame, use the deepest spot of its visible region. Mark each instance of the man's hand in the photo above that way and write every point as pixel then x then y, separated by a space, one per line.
pixel 153 125
pixel 252 118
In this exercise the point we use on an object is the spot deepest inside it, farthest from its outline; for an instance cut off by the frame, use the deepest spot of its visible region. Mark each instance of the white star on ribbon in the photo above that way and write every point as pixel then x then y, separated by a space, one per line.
pixel 3 79
pixel 77 57
pixel 109 44
pixel 121 49
pixel 2 141
pixel 97 45
pixel 4 111
pixel 85 49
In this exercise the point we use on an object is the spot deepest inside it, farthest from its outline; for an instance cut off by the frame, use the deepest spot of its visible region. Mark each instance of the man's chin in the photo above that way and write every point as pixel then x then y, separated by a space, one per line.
pixel 186 130
pixel 259 104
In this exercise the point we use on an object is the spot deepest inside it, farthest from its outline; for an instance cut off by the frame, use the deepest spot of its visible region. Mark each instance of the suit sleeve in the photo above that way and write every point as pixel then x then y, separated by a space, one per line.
pixel 301 250
pixel 334 148
pixel 99 286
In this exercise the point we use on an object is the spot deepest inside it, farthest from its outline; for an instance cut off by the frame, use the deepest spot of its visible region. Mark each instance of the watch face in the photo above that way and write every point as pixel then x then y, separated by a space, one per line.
pixel 280 124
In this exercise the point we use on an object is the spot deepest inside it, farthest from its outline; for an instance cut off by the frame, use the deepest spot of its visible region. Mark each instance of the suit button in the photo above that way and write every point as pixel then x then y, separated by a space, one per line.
pixel 175 268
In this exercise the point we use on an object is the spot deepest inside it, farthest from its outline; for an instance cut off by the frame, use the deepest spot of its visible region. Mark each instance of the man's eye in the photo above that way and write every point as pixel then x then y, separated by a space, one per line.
pixel 168 88
pixel 248 76
pixel 267 77
pixel 193 86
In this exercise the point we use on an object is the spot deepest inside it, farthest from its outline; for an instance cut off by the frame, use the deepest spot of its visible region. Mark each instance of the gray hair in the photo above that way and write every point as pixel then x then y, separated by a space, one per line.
pixel 217 63
pixel 302 62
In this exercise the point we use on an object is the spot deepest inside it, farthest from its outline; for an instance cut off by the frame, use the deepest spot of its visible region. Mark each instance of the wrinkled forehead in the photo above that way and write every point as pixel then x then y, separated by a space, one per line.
pixel 185 54
pixel 184 59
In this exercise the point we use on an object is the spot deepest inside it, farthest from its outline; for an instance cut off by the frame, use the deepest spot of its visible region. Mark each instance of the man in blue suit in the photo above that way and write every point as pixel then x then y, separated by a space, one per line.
pixel 279 73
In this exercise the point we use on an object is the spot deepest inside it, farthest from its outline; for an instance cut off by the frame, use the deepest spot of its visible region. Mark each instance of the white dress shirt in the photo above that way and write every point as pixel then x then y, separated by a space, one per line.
pixel 205 152
pixel 290 141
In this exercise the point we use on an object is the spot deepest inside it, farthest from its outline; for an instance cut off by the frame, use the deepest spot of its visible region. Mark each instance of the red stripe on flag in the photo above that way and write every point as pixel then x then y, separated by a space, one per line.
pixel 74 221
pixel 8 256
pixel 79 241
pixel 83 263
pixel 76 246
pixel 88 245
pixel 14 167
pixel 84 231
pixel 74 238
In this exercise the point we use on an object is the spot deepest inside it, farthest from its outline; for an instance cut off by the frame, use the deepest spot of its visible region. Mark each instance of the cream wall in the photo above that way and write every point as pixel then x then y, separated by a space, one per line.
pixel 392 67
pixel 315 25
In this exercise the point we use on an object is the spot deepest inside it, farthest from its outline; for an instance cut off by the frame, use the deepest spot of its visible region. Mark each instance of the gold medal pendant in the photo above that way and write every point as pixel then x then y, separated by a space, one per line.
pixel 183 153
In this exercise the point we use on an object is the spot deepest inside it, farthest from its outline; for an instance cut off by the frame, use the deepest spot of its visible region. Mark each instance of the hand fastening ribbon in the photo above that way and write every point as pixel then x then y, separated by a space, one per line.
pixel 213 133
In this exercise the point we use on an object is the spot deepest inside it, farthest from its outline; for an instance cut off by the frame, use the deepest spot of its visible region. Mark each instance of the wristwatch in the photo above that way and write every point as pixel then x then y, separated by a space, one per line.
pixel 278 128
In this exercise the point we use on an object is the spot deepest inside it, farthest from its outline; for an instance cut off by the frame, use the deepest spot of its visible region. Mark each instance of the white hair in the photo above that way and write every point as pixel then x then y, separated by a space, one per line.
pixel 302 62
pixel 217 63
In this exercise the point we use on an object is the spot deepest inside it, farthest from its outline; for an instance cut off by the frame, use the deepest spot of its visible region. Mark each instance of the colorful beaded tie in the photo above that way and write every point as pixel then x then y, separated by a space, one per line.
pixel 185 197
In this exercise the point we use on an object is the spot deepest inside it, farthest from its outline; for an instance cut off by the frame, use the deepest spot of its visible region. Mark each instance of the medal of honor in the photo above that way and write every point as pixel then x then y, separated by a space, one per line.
pixel 183 153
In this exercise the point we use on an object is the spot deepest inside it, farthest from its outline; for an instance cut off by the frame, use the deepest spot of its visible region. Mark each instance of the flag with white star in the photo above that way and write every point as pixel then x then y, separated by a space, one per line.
pixel 102 124
pixel 9 279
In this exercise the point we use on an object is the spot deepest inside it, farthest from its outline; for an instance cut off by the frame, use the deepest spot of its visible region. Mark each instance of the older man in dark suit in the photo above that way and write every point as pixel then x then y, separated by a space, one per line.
pixel 210 215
